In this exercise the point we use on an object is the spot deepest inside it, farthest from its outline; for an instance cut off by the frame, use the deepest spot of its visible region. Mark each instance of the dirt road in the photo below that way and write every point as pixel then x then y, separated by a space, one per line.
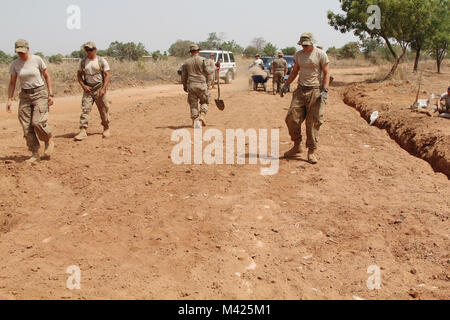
pixel 139 226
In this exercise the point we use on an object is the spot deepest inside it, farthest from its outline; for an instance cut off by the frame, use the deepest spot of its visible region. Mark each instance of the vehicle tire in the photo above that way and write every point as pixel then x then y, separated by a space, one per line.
pixel 229 77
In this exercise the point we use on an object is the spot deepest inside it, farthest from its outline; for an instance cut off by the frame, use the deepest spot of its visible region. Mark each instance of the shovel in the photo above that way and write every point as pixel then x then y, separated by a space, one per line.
pixel 219 103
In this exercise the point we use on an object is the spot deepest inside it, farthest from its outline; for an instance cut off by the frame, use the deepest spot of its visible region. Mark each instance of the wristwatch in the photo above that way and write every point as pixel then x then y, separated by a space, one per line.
pixel 326 90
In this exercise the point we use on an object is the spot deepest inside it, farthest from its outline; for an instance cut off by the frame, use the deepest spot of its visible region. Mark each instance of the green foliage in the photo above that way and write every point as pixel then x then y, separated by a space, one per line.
pixel 401 21
pixel 332 51
pixel 102 53
pixel 127 51
pixel 180 48
pixel 269 50
pixel 80 54
pixel 213 42
pixel 40 54
pixel 370 45
pixel 56 58
pixel 438 41
pixel 251 51
pixel 157 56
pixel 289 51
pixel 232 46
pixel 349 51
pixel 5 58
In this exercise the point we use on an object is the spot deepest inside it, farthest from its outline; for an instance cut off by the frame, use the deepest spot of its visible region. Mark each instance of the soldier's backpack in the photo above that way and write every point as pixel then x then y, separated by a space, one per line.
pixel 101 63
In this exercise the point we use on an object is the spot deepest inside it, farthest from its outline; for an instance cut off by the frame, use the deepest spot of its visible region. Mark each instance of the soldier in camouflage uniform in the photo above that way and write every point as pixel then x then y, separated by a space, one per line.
pixel 94 78
pixel 279 71
pixel 35 100
pixel 212 77
pixel 309 100
pixel 195 73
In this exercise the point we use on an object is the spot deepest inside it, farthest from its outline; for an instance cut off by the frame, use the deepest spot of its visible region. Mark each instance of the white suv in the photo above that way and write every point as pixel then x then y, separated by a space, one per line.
pixel 228 69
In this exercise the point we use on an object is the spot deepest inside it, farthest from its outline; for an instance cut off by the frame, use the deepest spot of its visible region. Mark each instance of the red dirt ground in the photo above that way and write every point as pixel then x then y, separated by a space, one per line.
pixel 140 227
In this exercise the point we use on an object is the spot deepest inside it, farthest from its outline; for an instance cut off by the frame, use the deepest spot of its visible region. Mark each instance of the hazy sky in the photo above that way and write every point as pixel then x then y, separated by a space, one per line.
pixel 158 24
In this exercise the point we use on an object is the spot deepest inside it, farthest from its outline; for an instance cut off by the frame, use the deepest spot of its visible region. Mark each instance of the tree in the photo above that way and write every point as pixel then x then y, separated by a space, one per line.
pixel 212 43
pixel 349 51
pixel 269 50
pixel 180 48
pixel 56 58
pixel 399 21
pixel 439 40
pixel 259 43
pixel 232 46
pixel 332 51
pixel 127 51
pixel 5 58
pixel 370 46
pixel 423 29
pixel 289 51
pixel 80 54
pixel 251 51
pixel 40 54
pixel 157 55
pixel 102 53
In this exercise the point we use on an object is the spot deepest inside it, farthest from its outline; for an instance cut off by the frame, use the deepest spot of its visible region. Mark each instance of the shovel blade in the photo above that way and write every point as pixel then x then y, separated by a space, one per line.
pixel 220 104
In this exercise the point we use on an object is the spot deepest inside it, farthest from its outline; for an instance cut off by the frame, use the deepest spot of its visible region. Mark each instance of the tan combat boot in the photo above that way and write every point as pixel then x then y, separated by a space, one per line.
pixel 106 133
pixel 296 150
pixel 311 157
pixel 82 135
pixel 34 158
pixel 49 148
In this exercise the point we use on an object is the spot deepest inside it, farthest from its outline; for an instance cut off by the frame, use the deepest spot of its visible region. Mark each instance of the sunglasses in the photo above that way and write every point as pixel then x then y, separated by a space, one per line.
pixel 89 49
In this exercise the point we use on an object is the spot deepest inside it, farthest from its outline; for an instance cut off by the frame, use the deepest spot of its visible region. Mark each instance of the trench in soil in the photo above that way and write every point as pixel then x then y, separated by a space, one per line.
pixel 427 148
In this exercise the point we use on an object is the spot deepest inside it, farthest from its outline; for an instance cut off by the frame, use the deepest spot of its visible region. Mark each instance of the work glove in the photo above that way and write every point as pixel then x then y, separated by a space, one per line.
pixel 285 89
pixel 185 89
pixel 324 96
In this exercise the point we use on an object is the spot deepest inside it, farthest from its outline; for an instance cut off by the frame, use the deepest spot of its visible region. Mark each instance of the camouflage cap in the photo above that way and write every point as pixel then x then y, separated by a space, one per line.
pixel 22 46
pixel 280 53
pixel 194 47
pixel 307 39
pixel 90 45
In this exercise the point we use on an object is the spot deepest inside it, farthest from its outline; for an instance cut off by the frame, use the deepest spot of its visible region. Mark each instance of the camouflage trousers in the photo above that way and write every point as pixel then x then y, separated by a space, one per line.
pixel 212 80
pixel 86 108
pixel 198 92
pixel 33 116
pixel 307 105
pixel 278 80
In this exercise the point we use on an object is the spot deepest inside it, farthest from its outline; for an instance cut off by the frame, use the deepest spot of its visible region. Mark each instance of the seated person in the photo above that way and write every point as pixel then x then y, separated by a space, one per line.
pixel 444 105
pixel 257 70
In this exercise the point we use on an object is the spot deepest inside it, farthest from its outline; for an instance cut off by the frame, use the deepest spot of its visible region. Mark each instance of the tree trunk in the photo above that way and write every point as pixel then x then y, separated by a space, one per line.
pixel 416 62
pixel 395 66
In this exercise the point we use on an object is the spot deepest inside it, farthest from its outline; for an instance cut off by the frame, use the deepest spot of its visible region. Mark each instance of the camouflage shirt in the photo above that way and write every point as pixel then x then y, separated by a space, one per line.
pixel 279 64
pixel 196 69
